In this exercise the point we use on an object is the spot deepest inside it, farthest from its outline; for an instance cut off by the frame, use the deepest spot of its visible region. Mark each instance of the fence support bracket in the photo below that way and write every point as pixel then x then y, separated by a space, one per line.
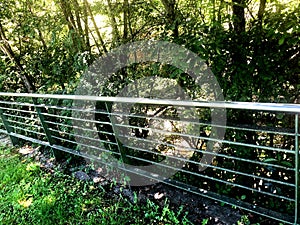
pixel 57 154
pixel 9 129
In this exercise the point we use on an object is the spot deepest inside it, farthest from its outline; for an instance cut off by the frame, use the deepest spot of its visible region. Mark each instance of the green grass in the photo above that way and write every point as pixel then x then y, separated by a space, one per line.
pixel 29 195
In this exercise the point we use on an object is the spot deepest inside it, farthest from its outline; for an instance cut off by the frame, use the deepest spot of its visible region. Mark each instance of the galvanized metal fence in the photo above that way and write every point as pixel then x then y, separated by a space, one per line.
pixel 253 166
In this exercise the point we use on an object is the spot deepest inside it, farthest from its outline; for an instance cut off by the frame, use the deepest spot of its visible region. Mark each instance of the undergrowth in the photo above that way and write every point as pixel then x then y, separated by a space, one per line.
pixel 30 195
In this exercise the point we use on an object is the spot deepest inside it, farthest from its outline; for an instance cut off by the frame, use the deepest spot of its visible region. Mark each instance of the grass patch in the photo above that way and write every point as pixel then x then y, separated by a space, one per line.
pixel 29 195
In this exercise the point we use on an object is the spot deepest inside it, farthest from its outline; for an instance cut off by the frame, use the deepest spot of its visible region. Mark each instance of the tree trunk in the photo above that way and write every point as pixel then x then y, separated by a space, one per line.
pixel 42 38
pixel 116 35
pixel 66 9
pixel 95 25
pixel 171 11
pixel 38 29
pixel 125 19
pixel 261 10
pixel 77 14
pixel 239 24
pixel 75 33
pixel 7 50
pixel 239 21
pixel 86 29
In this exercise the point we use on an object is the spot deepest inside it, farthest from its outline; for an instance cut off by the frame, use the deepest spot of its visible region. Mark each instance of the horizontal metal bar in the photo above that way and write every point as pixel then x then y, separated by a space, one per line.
pixel 80 128
pixel 277 107
pixel 210 139
pixel 213 167
pixel 33 140
pixel 80 136
pixel 18 103
pixel 63 139
pixel 69 108
pixel 25 124
pixel 217 154
pixel 55 107
pixel 261 163
pixel 230 201
pixel 29 131
pixel 211 178
pixel 275 130
pixel 86 156
pixel 3 131
pixel 21 117
pixel 89 146
pixel 73 118
pixel 18 110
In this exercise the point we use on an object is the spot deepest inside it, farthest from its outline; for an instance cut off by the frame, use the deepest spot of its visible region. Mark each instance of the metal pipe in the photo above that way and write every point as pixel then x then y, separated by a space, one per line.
pixel 275 107
pixel 297 176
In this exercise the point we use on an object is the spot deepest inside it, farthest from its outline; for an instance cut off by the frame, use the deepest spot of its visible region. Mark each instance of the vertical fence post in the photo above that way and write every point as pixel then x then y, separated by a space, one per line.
pixel 56 154
pixel 124 159
pixel 297 177
pixel 9 129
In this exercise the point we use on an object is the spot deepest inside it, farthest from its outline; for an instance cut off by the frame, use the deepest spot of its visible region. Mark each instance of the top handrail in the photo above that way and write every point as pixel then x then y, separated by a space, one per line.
pixel 276 107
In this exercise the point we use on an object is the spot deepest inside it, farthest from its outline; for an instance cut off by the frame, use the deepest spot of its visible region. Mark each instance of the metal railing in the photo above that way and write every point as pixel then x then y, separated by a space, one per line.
pixel 253 166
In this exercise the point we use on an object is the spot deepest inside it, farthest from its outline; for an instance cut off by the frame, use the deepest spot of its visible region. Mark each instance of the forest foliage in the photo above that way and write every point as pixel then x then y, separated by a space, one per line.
pixel 252 46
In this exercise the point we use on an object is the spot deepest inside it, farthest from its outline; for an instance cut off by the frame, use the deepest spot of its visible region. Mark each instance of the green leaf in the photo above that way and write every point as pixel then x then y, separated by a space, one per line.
pixel 285 163
pixel 281 41
pixel 270 160
pixel 280 116
pixel 243 197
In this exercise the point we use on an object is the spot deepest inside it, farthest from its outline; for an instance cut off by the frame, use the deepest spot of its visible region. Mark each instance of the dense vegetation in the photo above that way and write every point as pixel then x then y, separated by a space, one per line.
pixel 251 46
